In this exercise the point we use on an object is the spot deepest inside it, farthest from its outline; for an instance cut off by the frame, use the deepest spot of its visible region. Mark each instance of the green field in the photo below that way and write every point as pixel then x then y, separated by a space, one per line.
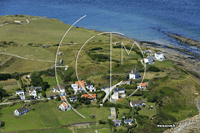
pixel 89 130
pixel 48 115
pixel 43 31
pixel 148 112
pixel 58 130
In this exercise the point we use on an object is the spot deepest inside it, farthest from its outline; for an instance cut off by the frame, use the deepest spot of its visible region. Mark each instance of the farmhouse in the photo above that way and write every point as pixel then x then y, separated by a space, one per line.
pixel 159 56
pixel 90 87
pixel 79 86
pixel 57 89
pixel 134 74
pixel 149 59
pixel 142 86
pixel 117 122
pixel 21 111
pixel 75 88
pixel 90 96
pixel 126 82
pixel 65 107
pixel 73 99
pixel 137 103
pixel 32 92
pixel 119 93
pixel 20 92
pixel 128 121
pixel 63 98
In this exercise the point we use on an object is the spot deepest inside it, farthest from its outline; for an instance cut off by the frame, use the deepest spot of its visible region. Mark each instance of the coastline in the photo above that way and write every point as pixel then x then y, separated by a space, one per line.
pixel 180 57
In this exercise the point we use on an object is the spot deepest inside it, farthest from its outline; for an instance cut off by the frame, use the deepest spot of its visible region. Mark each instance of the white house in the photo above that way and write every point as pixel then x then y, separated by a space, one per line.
pixel 134 74
pixel 38 88
pixel 73 99
pixel 65 107
pixel 142 86
pixel 79 87
pixel 119 93
pixel 128 121
pixel 159 56
pixel 90 87
pixel 33 93
pixel 17 21
pixel 20 92
pixel 57 89
pixel 137 103
pixel 21 111
pixel 149 59
pixel 75 88
pixel 117 122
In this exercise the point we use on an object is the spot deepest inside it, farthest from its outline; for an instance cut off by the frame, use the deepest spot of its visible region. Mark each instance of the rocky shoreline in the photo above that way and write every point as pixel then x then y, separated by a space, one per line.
pixel 185 40
pixel 172 53
pixel 186 126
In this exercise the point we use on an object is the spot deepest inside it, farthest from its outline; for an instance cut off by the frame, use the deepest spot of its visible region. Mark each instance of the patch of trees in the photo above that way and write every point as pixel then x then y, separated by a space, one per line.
pixel 69 75
pixel 102 122
pixel 5 76
pixel 128 48
pixel 98 57
pixel 97 48
pixel 3 92
pixel 107 104
pixel 152 68
pixel 36 80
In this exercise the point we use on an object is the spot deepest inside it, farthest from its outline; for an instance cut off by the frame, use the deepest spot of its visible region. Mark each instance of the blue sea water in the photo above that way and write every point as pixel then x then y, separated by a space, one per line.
pixel 139 19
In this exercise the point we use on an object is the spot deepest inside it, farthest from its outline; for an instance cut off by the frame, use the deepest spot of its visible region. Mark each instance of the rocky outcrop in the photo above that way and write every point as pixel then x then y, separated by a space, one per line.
pixel 185 40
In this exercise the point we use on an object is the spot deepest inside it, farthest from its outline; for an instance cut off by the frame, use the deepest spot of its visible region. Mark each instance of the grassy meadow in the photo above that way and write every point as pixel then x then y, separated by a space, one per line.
pixel 48 115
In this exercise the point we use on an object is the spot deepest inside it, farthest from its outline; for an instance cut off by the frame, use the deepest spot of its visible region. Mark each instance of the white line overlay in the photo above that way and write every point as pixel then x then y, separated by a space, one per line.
pixel 56 63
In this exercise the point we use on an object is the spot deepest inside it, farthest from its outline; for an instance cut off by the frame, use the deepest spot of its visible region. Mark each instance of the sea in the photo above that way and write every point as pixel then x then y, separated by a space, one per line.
pixel 143 20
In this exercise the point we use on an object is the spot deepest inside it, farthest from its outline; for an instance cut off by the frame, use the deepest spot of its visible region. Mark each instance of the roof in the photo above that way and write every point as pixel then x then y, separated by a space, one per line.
pixel 63 97
pixel 21 109
pixel 73 97
pixel 90 96
pixel 137 102
pixel 19 91
pixel 128 120
pixel 80 83
pixel 143 84
pixel 134 71
pixel 64 104
pixel 61 87
pixel 121 89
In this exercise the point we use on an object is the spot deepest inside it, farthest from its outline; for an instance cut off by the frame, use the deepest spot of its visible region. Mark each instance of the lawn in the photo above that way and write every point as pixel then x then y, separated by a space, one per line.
pixel 148 112
pixel 92 130
pixel 44 31
pixel 121 113
pixel 48 115
pixel 9 84
pixel 22 65
pixel 135 97
pixel 58 130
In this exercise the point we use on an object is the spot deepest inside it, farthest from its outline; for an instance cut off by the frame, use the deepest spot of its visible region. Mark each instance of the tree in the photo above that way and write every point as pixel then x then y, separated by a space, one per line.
pixel 43 93
pixel 1 123
pixel 45 85
pixel 58 99
pixel 2 92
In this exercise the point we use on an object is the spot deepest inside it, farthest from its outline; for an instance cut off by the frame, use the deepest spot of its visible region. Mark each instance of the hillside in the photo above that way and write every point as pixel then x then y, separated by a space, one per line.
pixel 31 49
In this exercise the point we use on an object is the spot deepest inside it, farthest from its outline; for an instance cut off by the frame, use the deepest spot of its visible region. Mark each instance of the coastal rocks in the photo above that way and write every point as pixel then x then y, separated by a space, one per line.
pixel 185 40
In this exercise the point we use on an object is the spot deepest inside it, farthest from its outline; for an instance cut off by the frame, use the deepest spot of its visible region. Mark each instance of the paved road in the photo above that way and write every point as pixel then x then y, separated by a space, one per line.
pixel 108 90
